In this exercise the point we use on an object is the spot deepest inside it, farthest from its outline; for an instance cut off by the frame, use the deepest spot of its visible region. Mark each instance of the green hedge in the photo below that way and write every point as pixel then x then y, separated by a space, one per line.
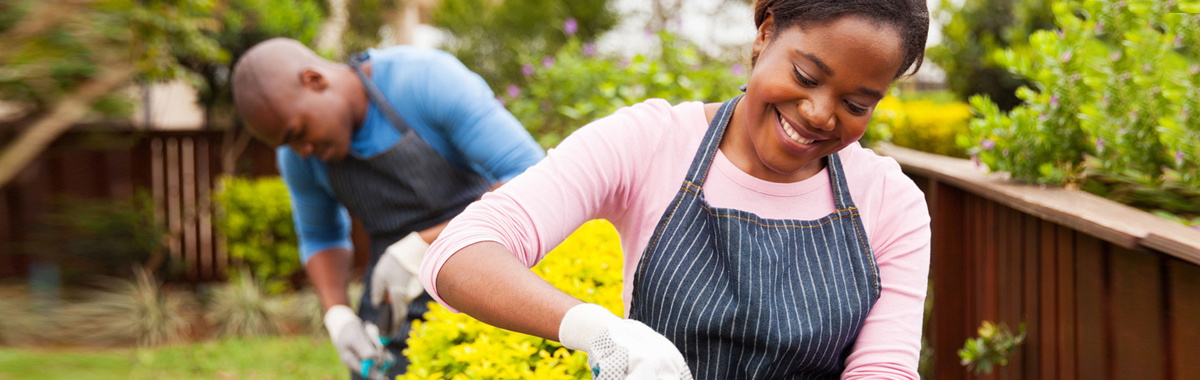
pixel 1112 109
pixel 256 218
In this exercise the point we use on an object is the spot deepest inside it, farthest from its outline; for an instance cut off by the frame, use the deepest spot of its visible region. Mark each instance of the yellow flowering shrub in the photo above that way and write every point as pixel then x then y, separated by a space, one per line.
pixel 924 125
pixel 587 265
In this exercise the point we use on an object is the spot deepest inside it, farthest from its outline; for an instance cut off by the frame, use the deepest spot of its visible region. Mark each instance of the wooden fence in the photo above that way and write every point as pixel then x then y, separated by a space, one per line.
pixel 1105 291
pixel 179 169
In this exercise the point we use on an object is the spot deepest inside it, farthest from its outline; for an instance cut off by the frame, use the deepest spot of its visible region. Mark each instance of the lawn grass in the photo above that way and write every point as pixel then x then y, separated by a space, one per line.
pixel 243 358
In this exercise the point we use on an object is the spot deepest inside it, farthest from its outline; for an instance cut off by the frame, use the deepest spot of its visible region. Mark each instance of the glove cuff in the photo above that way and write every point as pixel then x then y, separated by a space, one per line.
pixel 338 317
pixel 582 323
pixel 409 252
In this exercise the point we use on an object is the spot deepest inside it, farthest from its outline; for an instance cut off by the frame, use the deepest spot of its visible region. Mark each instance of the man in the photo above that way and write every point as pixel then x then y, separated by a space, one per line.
pixel 403 139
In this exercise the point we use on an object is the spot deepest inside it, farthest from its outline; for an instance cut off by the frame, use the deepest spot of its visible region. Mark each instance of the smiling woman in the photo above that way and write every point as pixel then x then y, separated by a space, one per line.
pixel 760 239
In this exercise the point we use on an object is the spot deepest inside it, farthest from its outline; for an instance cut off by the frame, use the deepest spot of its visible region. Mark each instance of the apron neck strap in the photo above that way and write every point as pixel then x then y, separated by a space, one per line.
pixel 712 140
pixel 708 146
pixel 375 95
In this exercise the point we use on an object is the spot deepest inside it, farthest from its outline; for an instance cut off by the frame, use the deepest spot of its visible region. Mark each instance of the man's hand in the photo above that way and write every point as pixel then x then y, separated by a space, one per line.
pixel 396 275
pixel 354 339
pixel 620 349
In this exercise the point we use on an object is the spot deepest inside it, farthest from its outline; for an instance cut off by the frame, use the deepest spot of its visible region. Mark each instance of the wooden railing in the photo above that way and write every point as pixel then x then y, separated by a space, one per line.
pixel 179 169
pixel 1106 291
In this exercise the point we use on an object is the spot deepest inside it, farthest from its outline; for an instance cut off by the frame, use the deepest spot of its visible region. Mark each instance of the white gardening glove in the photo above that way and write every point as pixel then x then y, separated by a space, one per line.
pixel 354 339
pixel 620 349
pixel 396 274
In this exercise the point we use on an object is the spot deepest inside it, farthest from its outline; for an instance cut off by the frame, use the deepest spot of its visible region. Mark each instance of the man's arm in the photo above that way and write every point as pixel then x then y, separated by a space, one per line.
pixel 329 271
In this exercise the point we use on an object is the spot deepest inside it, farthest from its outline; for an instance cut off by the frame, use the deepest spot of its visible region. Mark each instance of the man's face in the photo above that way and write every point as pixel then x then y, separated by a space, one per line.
pixel 312 120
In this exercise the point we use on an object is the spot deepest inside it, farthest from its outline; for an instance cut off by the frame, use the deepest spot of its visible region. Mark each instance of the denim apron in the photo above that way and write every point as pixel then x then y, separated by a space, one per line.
pixel 407 188
pixel 744 297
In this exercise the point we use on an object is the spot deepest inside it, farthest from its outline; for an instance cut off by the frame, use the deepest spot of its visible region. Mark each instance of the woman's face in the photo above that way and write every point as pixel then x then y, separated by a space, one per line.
pixel 811 93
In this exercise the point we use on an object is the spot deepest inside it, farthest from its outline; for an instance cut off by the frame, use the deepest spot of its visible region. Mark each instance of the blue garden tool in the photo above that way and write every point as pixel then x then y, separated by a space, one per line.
pixel 377 368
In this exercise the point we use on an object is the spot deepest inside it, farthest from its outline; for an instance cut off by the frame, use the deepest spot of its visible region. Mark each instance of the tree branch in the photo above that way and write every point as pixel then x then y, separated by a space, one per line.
pixel 69 110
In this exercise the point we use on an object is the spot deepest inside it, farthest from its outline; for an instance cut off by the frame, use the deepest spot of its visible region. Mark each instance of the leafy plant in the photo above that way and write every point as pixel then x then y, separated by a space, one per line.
pixel 240 308
pixel 566 90
pixel 586 265
pixel 140 311
pixel 86 237
pixel 493 38
pixel 992 347
pixel 971 29
pixel 256 219
pixel 1112 107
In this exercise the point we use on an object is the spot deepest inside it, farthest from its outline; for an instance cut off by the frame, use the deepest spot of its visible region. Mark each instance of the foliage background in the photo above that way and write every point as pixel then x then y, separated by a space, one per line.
pixel 257 223
pixel 1111 107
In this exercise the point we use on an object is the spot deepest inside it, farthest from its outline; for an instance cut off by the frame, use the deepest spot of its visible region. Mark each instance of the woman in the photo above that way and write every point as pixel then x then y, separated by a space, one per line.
pixel 761 241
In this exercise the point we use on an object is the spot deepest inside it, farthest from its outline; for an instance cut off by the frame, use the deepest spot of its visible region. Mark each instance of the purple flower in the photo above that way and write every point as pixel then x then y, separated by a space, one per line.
pixel 1116 56
pixel 1196 227
pixel 527 70
pixel 1066 57
pixel 987 144
pixel 1004 152
pixel 975 160
pixel 1099 145
pixel 1178 41
pixel 1054 101
pixel 570 26
pixel 513 91
pixel 1179 158
pixel 1099 27
pixel 501 100
pixel 649 32
pixel 737 69
pixel 589 49
pixel 1062 34
pixel 547 62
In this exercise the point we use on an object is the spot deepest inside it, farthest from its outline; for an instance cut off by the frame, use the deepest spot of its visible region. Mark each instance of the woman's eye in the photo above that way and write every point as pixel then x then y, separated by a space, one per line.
pixel 802 79
pixel 854 108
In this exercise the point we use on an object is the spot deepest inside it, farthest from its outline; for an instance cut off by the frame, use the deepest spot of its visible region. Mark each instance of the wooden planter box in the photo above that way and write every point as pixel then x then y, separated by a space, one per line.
pixel 1106 291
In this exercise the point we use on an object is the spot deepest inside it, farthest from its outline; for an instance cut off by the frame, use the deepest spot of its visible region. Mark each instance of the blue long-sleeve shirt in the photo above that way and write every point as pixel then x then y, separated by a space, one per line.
pixel 446 104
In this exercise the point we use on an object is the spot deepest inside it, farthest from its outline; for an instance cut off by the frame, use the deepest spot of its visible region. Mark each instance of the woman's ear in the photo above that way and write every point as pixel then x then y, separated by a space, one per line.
pixel 766 32
pixel 313 79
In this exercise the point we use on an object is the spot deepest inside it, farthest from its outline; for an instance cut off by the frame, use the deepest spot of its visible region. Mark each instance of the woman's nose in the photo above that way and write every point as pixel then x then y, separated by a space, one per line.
pixel 818 113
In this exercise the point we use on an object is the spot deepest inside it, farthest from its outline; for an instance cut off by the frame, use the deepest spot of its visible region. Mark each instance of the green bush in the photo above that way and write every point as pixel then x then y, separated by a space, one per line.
pixel 575 86
pixel 587 265
pixel 492 37
pixel 256 218
pixel 87 237
pixel 973 28
pixel 1112 108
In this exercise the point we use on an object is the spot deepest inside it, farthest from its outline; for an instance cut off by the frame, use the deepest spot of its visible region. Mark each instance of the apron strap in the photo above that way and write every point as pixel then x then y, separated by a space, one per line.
pixel 708 146
pixel 376 96
pixel 841 190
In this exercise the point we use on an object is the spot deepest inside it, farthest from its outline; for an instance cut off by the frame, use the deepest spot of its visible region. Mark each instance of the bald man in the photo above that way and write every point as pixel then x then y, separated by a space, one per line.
pixel 403 139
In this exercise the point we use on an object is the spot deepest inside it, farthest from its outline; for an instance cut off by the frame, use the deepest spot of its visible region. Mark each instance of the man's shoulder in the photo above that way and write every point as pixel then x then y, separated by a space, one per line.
pixel 411 55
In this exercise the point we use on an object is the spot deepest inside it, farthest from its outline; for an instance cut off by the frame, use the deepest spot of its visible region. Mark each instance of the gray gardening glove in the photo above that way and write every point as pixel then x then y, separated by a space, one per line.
pixel 354 339
pixel 620 349
pixel 396 275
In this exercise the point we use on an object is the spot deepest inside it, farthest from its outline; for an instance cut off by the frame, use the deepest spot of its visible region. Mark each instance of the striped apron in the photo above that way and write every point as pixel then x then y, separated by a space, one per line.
pixel 407 188
pixel 744 297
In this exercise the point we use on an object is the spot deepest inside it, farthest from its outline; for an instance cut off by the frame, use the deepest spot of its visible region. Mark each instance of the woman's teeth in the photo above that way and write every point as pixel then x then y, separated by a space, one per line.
pixel 787 128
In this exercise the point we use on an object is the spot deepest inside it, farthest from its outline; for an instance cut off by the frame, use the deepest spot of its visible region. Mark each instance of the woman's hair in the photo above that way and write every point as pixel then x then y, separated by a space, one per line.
pixel 909 17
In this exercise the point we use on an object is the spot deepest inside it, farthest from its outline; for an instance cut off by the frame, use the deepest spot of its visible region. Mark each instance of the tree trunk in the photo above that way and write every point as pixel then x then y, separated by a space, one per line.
pixel 70 109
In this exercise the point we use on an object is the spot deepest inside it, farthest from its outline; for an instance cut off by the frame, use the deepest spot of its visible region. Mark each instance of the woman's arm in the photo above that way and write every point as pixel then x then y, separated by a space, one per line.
pixel 512 297
pixel 889 344
pixel 480 264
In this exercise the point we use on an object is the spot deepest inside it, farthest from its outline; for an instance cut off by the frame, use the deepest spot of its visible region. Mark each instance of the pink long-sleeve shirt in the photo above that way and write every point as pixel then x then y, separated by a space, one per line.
pixel 627 168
